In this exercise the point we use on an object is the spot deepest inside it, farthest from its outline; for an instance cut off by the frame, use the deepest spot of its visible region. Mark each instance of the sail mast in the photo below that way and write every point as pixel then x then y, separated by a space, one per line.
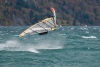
pixel 54 15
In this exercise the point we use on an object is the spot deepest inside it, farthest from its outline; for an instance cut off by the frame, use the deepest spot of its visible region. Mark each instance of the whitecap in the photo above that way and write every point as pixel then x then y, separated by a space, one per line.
pixel 12 31
pixel 94 28
pixel 2 34
pixel 84 28
pixel 15 35
pixel 87 31
pixel 72 28
pixel 33 50
pixel 0 31
pixel 6 33
pixel 62 34
pixel 88 36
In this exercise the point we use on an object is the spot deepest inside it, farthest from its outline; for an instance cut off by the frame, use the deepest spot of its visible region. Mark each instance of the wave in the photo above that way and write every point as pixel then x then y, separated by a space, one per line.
pixel 16 35
pixel 87 31
pixel 0 32
pixel 88 36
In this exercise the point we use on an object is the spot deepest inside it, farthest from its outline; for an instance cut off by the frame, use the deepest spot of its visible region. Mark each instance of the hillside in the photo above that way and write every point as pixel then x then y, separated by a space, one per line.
pixel 69 12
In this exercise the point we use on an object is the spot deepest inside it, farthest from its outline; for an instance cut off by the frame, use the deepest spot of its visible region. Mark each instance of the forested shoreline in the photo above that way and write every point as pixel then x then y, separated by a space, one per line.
pixel 69 12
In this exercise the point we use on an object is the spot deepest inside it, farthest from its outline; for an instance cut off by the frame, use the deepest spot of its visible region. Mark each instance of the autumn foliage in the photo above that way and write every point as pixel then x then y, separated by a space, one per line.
pixel 69 12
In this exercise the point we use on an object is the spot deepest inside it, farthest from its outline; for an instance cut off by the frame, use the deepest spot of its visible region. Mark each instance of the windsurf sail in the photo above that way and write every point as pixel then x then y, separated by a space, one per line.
pixel 42 27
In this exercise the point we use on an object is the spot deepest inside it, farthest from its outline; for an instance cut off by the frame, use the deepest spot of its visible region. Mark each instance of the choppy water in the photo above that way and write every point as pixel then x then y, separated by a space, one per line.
pixel 66 47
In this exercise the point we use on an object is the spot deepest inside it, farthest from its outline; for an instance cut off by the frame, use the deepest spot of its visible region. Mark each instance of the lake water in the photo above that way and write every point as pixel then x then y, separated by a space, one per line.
pixel 68 46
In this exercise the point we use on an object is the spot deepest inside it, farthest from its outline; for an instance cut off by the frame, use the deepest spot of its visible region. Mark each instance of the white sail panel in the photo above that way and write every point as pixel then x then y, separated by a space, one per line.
pixel 43 26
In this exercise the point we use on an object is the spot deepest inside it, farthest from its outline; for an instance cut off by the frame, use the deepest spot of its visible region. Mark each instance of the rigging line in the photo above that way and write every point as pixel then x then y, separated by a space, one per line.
pixel 47 25
pixel 50 23
pixel 43 27
pixel 33 30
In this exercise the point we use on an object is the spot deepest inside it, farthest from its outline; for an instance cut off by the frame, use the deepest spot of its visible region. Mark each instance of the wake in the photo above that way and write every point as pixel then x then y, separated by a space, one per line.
pixel 15 45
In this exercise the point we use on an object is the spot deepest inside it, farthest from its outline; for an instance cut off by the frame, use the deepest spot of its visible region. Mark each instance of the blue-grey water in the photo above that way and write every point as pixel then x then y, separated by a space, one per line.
pixel 68 46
